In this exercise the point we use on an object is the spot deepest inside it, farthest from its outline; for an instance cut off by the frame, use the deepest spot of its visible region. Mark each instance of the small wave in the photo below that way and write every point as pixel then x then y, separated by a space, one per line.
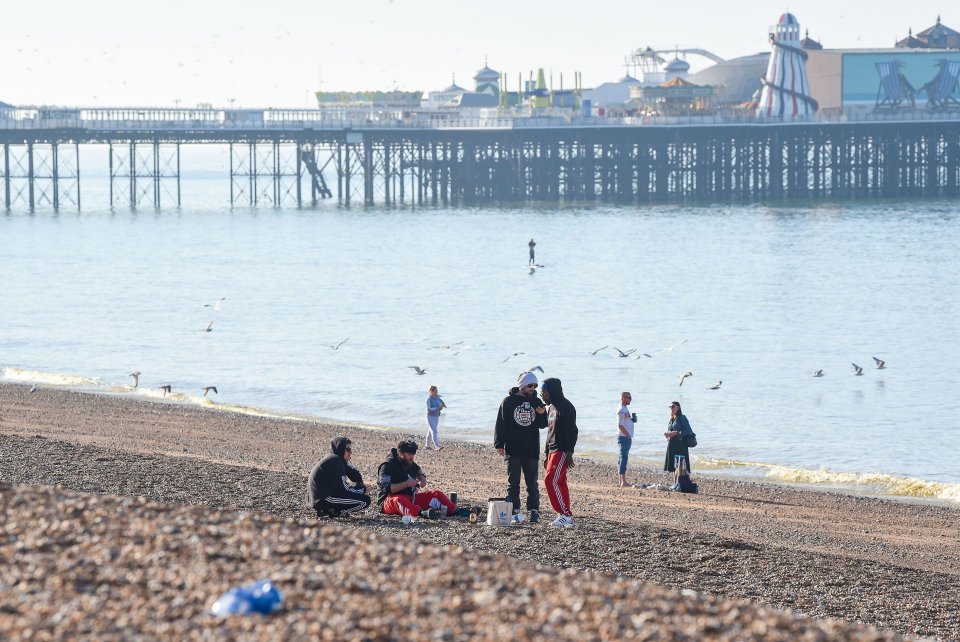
pixel 48 378
pixel 878 483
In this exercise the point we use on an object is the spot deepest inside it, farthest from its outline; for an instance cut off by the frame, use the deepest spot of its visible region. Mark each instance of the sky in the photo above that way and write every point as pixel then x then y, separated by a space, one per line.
pixel 252 54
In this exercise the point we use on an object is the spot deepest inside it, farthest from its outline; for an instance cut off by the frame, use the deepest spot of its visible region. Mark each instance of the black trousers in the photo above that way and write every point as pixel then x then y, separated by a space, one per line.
pixel 345 502
pixel 530 467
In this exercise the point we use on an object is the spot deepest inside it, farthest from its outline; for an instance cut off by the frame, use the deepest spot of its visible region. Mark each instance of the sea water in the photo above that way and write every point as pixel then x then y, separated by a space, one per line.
pixel 757 296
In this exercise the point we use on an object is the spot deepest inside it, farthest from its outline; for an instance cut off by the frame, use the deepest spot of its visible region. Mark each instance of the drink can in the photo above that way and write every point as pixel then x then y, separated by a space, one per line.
pixel 453 497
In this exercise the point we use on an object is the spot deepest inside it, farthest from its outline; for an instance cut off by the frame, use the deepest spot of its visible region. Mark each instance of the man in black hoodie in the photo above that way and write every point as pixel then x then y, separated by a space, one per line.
pixel 561 440
pixel 398 481
pixel 328 490
pixel 516 437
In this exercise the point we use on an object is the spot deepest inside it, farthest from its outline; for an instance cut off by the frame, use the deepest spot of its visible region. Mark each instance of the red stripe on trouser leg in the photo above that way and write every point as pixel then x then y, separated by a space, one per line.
pixel 399 505
pixel 556 482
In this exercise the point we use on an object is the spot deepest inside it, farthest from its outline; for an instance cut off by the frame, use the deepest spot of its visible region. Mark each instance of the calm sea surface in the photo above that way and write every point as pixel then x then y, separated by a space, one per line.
pixel 758 297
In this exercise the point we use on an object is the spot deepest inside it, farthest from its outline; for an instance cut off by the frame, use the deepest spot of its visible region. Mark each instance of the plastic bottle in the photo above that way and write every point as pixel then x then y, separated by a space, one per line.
pixel 259 597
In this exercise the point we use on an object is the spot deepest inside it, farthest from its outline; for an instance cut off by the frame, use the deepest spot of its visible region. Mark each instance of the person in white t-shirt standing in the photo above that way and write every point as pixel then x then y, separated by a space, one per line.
pixel 624 434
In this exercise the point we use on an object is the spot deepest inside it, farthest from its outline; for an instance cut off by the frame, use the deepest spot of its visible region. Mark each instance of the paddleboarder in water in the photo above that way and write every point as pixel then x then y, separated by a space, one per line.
pixel 532 244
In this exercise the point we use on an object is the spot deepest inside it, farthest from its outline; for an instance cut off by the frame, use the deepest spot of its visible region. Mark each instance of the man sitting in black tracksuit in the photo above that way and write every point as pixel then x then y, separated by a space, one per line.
pixel 328 490
pixel 517 439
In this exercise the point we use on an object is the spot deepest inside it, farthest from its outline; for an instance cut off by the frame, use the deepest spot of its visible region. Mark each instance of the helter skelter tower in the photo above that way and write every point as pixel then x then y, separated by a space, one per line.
pixel 786 93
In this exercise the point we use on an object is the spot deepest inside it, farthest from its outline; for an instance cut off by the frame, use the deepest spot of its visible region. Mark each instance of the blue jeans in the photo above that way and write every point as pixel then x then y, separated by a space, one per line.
pixel 624 452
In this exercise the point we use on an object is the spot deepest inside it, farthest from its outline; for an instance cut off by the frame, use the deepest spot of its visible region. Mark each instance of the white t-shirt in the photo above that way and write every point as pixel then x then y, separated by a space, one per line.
pixel 626 422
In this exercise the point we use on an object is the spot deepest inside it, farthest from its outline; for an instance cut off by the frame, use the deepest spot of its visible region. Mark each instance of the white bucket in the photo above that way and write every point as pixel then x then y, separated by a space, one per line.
pixel 498 513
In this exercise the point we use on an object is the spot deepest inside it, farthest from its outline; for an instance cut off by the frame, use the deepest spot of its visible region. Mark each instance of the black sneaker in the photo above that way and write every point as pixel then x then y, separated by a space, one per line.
pixel 430 513
pixel 534 517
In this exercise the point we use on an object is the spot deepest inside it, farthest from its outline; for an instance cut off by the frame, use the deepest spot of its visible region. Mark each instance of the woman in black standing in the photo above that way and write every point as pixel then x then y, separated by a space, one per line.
pixel 677 431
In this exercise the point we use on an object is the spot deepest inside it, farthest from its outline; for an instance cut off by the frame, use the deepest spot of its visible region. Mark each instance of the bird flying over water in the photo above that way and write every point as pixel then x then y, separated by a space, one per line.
pixel 337 345
pixel 420 371
pixel 166 389
pixel 594 353
pixel 881 364
pixel 674 346
pixel 716 386
pixel 209 327
pixel 216 305
pixel 818 373
pixel 625 354
pixel 644 354
pixel 536 368
pixel 684 376
pixel 207 389
pixel 515 354
pixel 136 378
pixel 857 370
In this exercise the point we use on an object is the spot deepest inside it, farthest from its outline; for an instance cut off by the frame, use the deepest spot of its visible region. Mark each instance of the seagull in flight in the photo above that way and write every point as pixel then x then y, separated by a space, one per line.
pixel 209 327
pixel 818 373
pixel 207 389
pixel 217 304
pixel 716 386
pixel 684 376
pixel 460 350
pixel 881 364
pixel 515 354
pixel 625 354
pixel 136 378
pixel 594 353
pixel 166 389
pixel 857 370
pixel 674 346
pixel 420 371
pixel 337 345
pixel 536 368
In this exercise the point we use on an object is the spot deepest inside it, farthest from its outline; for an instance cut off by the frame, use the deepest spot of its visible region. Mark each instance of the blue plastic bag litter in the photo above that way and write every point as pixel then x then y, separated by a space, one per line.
pixel 260 597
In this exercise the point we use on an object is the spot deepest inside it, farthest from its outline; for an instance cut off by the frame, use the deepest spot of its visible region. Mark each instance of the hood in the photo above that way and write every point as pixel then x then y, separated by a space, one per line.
pixel 339 446
pixel 554 389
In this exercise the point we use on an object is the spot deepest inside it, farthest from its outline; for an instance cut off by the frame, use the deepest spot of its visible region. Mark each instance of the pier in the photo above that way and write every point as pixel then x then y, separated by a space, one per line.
pixel 301 157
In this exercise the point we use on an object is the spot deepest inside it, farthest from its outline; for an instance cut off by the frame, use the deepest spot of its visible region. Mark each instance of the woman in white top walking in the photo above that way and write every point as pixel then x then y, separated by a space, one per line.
pixel 625 422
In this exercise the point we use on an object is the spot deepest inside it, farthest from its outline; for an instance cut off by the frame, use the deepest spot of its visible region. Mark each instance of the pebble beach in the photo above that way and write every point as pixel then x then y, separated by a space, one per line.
pixel 126 519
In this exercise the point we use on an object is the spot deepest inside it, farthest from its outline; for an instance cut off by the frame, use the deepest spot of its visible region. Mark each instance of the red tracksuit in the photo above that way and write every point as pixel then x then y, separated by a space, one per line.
pixel 400 504
pixel 555 480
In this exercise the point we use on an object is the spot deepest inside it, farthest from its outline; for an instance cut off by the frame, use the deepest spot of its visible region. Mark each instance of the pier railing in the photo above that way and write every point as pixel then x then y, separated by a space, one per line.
pixel 172 120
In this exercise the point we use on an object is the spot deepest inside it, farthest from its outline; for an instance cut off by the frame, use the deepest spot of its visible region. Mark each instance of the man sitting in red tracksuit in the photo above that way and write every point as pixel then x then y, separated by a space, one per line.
pixel 398 480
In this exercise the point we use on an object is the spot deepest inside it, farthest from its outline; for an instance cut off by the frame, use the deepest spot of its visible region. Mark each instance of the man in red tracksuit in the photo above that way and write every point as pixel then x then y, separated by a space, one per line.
pixel 561 440
pixel 398 480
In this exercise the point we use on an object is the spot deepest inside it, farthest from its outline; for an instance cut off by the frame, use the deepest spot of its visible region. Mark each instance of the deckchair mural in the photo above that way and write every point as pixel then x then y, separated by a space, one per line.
pixel 942 90
pixel 894 87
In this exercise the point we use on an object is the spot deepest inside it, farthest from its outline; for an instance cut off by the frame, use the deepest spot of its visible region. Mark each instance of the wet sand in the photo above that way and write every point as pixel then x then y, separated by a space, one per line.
pixel 893 565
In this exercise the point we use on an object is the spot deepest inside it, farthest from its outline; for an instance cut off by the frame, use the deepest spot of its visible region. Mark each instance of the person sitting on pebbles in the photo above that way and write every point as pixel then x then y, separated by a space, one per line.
pixel 399 479
pixel 335 486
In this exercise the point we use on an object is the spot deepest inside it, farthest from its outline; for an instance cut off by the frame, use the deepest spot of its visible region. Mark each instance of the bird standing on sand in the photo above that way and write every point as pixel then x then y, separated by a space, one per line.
pixel 166 389
pixel 818 373
pixel 420 371
pixel 857 370
pixel 684 376
pixel 716 386
pixel 136 378
pixel 881 364
pixel 207 389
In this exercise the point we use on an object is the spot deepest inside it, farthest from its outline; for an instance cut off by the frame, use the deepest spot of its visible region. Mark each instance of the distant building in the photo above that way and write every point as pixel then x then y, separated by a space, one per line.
pixel 395 99
pixel 6 110
pixel 739 77
pixel 611 94
pixel 939 36
pixel 487 81
pixel 439 99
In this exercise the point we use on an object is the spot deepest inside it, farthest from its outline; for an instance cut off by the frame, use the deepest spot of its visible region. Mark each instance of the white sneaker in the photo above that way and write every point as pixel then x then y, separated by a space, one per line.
pixel 562 522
